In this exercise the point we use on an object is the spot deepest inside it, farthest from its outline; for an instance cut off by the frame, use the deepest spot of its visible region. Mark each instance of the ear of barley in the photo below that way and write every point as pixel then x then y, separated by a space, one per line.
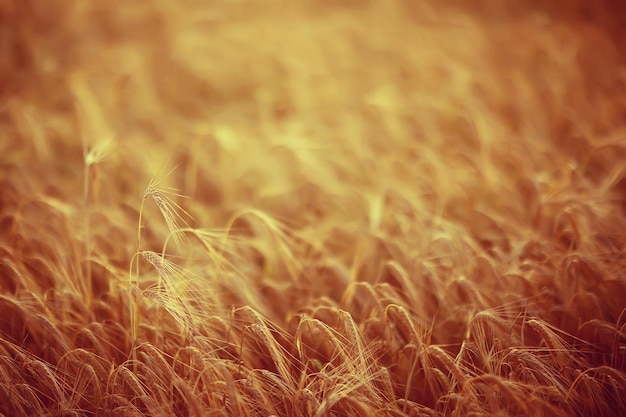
pixel 156 400
pixel 272 383
pixel 356 289
pixel 87 339
pixel 87 384
pixel 321 336
pixel 618 376
pixel 591 382
pixel 386 383
pixel 356 405
pixel 174 215
pixel 155 384
pixel 444 358
pixel 277 353
pixel 24 397
pixel 190 398
pixel 251 315
pixel 395 313
pixel 360 357
pixel 506 387
pixel 172 290
pixel 444 382
pixel 305 399
pixel 154 356
pixel 46 379
pixel 354 339
pixel 190 360
pixel 122 406
pixel 130 380
pixel 556 346
pixel 73 360
pixel 99 152
pixel 348 386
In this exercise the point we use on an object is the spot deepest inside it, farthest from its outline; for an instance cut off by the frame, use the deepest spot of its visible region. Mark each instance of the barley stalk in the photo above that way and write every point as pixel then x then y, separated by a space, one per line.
pixel 91 158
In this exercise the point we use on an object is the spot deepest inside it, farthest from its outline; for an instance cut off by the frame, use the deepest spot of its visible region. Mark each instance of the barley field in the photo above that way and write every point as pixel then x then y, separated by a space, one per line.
pixel 312 208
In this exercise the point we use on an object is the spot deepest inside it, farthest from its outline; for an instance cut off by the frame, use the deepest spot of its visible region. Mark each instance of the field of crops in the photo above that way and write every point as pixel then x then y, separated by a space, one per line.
pixel 312 208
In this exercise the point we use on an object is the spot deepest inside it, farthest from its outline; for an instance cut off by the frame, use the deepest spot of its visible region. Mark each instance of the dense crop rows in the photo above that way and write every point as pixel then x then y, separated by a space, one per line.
pixel 315 208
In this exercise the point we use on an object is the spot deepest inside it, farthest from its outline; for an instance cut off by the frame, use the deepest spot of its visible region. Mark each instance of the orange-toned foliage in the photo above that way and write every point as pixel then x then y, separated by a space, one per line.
pixel 312 208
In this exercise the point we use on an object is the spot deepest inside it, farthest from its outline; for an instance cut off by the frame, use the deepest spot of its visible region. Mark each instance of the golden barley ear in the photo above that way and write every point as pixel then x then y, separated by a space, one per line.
pixel 97 153
pixel 175 216
pixel 172 288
